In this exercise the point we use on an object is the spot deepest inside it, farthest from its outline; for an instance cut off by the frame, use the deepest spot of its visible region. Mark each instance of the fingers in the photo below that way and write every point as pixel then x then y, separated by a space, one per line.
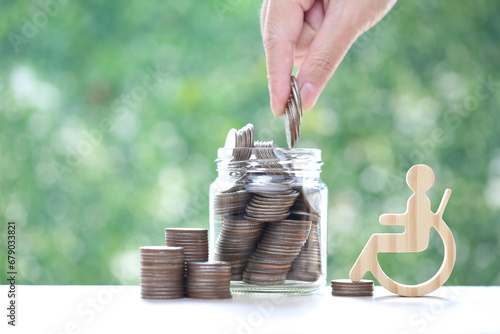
pixel 315 34
pixel 325 53
pixel 343 22
pixel 313 19
pixel 302 45
pixel 282 27
pixel 263 15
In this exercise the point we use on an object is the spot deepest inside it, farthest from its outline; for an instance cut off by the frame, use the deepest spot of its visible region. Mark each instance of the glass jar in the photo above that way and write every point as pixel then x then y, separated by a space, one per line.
pixel 268 217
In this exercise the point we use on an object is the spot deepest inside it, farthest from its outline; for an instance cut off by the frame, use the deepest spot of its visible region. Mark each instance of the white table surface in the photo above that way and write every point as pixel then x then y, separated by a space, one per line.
pixel 119 309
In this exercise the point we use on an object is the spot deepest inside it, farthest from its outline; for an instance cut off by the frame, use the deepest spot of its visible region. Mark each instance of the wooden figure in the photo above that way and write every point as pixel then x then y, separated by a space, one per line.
pixel 417 220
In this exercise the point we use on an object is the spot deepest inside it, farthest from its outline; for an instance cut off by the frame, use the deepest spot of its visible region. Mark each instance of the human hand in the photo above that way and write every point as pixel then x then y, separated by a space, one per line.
pixel 315 34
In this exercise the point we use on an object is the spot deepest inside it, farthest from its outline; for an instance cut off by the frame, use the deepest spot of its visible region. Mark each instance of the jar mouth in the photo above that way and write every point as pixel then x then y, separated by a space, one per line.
pixel 313 153
pixel 272 159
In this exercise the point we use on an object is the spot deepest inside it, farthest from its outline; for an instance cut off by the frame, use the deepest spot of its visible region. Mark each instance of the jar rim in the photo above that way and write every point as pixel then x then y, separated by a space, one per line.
pixel 279 160
pixel 314 153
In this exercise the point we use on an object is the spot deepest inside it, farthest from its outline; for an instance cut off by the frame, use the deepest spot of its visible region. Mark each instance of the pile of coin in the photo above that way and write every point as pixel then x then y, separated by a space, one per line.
pixel 194 241
pixel 181 267
pixel 227 203
pixel 242 140
pixel 266 154
pixel 293 115
pixel 280 244
pixel 208 280
pixel 271 206
pixel 236 241
pixel 162 272
pixel 307 265
pixel 348 288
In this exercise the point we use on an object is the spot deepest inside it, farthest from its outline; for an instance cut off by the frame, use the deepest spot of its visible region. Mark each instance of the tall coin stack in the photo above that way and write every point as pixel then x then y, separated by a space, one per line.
pixel 162 272
pixel 208 280
pixel 193 240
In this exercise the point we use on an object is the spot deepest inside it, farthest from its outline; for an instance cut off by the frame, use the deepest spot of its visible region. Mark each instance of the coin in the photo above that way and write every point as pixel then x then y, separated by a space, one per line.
pixel 193 240
pixel 307 265
pixel 241 141
pixel 296 93
pixel 287 119
pixel 162 272
pixel 208 280
pixel 292 122
pixel 272 258
pixel 312 199
pixel 231 202
pixel 268 228
pixel 348 288
pixel 236 241
pixel 231 139
pixel 293 114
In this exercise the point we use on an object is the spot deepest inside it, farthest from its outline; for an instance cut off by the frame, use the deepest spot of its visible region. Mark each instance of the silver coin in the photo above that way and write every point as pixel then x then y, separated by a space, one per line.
pixel 296 94
pixel 231 139
pixel 312 199
pixel 288 127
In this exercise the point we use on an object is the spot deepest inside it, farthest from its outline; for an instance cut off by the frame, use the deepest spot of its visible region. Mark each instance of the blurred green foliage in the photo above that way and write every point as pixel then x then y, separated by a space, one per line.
pixel 171 78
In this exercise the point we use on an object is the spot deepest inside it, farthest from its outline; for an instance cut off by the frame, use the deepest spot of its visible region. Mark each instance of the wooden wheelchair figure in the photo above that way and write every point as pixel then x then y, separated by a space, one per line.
pixel 417 220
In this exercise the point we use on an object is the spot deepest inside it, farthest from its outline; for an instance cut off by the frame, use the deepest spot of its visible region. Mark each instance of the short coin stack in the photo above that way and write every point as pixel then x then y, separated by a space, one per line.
pixel 208 280
pixel 271 206
pixel 162 272
pixel 348 288
pixel 193 240
pixel 231 202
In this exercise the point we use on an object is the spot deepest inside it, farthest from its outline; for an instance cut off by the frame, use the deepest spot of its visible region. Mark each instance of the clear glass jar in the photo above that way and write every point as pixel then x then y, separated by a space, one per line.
pixel 268 217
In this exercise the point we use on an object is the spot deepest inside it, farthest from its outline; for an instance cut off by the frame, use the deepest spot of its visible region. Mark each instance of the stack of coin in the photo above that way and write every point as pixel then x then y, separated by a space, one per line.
pixel 348 288
pixel 279 246
pixel 193 240
pixel 293 115
pixel 266 153
pixel 208 280
pixel 241 140
pixel 270 206
pixel 307 265
pixel 235 243
pixel 231 202
pixel 162 272
pixel 263 183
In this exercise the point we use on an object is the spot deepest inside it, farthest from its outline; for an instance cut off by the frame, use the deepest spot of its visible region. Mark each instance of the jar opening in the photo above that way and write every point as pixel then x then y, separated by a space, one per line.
pixel 269 160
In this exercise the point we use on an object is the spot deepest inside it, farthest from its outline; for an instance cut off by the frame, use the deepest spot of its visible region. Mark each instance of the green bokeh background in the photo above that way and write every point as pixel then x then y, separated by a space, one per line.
pixel 414 89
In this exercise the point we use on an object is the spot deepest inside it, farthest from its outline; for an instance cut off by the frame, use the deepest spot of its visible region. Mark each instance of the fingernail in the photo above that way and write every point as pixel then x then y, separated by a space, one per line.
pixel 309 94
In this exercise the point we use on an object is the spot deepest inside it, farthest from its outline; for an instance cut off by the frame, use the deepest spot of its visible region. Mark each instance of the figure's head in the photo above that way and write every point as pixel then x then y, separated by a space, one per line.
pixel 421 177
